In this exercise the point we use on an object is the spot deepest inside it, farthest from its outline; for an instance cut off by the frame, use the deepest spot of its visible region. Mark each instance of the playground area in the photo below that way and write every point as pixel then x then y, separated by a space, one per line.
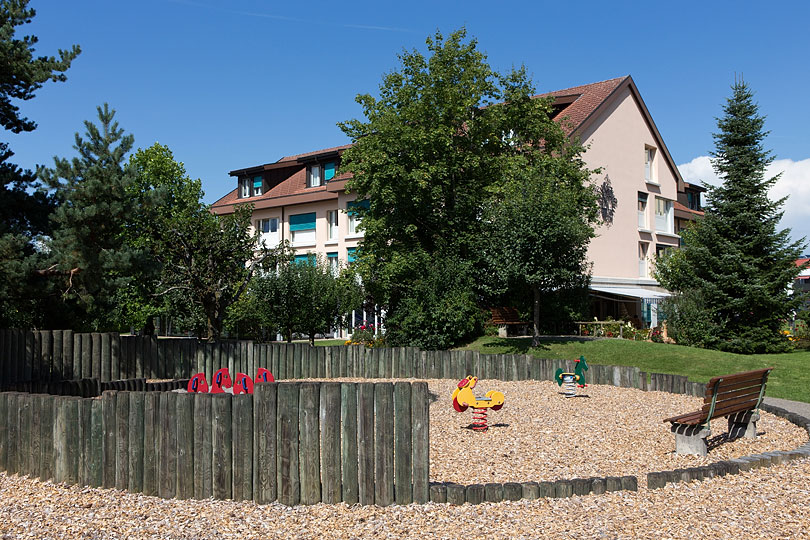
pixel 537 435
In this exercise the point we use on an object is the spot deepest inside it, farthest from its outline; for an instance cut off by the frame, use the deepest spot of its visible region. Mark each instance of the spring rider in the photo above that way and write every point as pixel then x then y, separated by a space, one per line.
pixel 571 381
pixel 463 397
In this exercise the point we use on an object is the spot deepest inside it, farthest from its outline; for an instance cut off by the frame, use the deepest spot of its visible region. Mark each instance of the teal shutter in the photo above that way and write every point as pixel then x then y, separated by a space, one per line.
pixel 257 182
pixel 305 259
pixel 357 204
pixel 328 171
pixel 351 254
pixel 332 255
pixel 302 222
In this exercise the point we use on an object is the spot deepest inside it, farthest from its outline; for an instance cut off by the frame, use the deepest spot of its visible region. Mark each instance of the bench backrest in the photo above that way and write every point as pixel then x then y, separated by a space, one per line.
pixel 505 315
pixel 735 393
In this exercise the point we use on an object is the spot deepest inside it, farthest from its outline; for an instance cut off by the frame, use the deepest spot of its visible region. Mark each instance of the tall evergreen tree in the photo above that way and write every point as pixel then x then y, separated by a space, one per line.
pixel 736 268
pixel 88 253
pixel 24 210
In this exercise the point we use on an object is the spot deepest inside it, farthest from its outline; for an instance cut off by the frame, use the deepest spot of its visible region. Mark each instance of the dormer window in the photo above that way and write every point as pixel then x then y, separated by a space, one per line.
pixel 251 187
pixel 329 171
pixel 314 176
pixel 693 200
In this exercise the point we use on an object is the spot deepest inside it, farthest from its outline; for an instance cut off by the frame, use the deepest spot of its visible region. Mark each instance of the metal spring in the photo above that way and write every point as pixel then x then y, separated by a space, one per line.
pixel 570 389
pixel 479 422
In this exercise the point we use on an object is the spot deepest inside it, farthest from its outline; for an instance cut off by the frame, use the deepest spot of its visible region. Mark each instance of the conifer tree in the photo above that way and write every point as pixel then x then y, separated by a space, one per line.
pixel 23 209
pixel 88 253
pixel 734 272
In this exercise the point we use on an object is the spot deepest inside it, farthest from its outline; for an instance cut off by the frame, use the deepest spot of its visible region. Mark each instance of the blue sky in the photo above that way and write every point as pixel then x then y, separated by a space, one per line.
pixel 233 84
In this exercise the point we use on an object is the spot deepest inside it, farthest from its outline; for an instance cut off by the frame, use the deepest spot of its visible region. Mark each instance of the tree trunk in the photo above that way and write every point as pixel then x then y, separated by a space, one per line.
pixel 312 340
pixel 536 318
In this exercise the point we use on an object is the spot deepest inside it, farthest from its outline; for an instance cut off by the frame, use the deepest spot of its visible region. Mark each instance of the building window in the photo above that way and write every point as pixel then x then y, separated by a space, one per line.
pixel 244 188
pixel 649 164
pixel 314 176
pixel 257 186
pixel 661 250
pixel 354 217
pixel 664 217
pixel 693 200
pixel 334 263
pixel 332 225
pixel 642 210
pixel 268 228
pixel 302 229
pixel 308 258
pixel 351 254
pixel 642 259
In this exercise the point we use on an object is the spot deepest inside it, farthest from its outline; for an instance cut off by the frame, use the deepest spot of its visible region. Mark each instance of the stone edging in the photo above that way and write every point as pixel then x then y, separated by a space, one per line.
pixel 659 479
pixel 452 493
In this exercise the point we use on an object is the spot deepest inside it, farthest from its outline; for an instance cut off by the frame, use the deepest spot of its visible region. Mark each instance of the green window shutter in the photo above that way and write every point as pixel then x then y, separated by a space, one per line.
pixel 257 181
pixel 351 254
pixel 309 258
pixel 332 255
pixel 328 171
pixel 302 222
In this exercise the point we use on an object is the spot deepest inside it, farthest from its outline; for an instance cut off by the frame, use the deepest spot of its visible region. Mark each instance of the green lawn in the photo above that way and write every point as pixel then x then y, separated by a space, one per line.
pixel 790 378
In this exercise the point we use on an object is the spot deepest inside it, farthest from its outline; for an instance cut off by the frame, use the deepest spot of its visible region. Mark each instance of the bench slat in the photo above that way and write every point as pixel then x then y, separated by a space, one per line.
pixel 693 418
pixel 738 393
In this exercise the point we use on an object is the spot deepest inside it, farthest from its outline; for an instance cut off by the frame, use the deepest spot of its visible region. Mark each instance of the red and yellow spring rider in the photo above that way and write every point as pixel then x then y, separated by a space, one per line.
pixel 463 397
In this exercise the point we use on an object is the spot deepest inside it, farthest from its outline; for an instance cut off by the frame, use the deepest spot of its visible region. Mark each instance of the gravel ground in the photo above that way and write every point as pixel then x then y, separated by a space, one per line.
pixel 541 435
pixel 772 502
pixel 538 435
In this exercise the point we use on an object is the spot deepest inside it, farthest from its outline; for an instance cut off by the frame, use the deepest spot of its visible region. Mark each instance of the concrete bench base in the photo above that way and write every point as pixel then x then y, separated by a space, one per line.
pixel 743 424
pixel 691 439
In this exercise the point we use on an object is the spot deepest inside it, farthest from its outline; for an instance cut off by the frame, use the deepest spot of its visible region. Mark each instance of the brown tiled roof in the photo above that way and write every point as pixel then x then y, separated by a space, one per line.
pixel 576 106
pixel 315 153
pixel 684 208
pixel 586 99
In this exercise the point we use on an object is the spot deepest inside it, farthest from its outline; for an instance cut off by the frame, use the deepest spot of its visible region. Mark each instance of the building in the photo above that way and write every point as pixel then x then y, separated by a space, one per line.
pixel 302 199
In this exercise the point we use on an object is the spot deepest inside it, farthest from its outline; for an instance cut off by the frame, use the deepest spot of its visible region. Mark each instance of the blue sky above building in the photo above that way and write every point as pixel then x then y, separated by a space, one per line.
pixel 228 85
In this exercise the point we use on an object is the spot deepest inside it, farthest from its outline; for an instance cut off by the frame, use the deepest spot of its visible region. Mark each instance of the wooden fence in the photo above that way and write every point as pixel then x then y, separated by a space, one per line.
pixel 55 355
pixel 297 442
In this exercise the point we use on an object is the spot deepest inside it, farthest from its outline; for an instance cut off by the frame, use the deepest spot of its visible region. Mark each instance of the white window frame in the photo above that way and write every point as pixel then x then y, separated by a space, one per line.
pixel 270 238
pixel 313 179
pixel 649 165
pixel 332 225
pixel 664 221
pixel 305 237
pixel 643 248
pixel 643 200
pixel 244 187
pixel 256 191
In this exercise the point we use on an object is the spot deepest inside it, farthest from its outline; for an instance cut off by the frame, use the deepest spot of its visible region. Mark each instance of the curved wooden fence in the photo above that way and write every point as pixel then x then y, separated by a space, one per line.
pixel 295 442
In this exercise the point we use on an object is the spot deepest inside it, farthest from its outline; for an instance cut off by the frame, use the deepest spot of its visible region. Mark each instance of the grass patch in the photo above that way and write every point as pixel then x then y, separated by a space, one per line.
pixel 790 378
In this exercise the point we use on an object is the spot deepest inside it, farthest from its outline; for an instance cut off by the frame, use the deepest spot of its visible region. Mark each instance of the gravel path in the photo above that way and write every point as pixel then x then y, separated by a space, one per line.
pixel 538 435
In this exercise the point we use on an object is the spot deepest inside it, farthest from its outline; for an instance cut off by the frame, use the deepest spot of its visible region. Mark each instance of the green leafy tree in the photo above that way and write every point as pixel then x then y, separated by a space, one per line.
pixel 207 261
pixel 427 157
pixel 88 254
pixel 735 266
pixel 161 193
pixel 305 297
pixel 24 210
pixel 542 223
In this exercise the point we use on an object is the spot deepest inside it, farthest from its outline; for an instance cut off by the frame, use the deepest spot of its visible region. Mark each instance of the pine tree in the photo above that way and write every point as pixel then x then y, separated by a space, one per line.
pixel 23 209
pixel 88 253
pixel 735 269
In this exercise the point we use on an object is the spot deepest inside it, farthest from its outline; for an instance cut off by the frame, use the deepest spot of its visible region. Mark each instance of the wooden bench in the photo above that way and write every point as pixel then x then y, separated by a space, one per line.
pixel 503 317
pixel 736 397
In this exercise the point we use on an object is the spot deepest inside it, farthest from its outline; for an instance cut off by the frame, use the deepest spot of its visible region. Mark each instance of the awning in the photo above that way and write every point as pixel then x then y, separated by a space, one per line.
pixel 646 295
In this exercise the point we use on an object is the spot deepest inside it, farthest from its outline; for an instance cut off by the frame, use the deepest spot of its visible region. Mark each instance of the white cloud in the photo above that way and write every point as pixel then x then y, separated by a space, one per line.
pixel 794 183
